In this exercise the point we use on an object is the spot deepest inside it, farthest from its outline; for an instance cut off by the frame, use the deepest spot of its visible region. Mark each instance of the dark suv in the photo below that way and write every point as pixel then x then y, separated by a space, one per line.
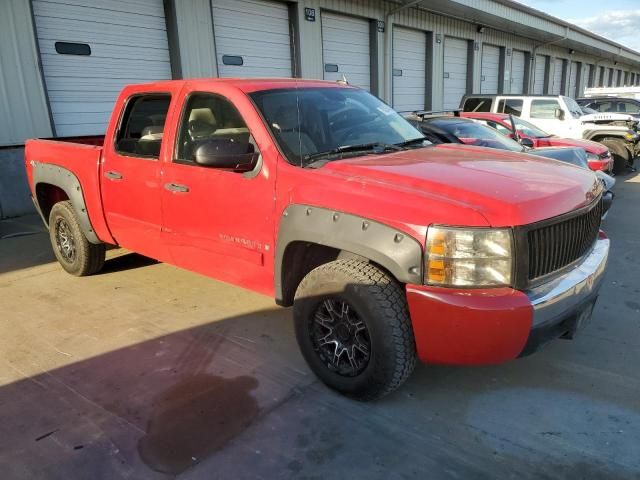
pixel 630 106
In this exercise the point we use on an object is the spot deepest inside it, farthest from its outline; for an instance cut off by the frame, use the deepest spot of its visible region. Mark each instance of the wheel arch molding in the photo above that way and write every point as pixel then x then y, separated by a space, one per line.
pixel 65 180
pixel 395 251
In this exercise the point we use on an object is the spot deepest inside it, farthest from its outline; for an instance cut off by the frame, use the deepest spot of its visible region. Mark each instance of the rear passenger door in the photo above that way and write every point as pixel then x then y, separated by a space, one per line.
pixel 131 174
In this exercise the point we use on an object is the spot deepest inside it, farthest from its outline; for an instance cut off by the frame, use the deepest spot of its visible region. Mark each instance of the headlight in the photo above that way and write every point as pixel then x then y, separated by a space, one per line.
pixel 631 135
pixel 467 257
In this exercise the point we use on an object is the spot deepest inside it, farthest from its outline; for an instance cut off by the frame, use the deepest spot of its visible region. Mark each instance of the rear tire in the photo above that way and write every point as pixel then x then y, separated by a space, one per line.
pixel 353 328
pixel 619 152
pixel 74 252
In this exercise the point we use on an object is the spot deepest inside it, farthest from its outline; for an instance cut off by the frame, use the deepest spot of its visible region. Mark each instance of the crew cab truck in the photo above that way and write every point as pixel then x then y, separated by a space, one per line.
pixel 562 116
pixel 388 248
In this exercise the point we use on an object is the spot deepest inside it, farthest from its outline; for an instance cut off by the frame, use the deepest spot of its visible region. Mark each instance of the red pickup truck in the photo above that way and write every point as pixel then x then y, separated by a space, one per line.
pixel 389 248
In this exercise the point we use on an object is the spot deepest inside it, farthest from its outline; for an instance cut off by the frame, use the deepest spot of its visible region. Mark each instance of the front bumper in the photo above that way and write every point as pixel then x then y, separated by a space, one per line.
pixel 491 326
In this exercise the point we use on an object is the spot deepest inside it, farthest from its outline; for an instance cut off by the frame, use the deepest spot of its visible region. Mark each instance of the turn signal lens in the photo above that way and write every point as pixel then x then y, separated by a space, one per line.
pixel 463 257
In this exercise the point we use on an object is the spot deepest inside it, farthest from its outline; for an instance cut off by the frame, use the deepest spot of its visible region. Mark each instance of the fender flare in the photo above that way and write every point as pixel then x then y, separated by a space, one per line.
pixel 590 134
pixel 390 248
pixel 67 181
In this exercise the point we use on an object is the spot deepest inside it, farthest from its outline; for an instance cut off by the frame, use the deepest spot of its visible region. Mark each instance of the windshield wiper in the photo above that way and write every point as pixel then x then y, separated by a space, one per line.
pixel 412 141
pixel 375 147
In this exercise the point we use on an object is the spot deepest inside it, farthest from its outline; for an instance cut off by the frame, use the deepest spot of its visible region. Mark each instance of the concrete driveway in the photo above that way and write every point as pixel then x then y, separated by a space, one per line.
pixel 150 372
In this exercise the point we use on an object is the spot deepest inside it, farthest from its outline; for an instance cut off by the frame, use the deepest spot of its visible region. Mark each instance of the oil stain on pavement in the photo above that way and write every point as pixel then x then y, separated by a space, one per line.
pixel 195 418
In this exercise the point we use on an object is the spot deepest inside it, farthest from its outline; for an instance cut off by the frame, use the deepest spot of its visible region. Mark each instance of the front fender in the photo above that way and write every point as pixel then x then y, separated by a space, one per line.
pixel 397 252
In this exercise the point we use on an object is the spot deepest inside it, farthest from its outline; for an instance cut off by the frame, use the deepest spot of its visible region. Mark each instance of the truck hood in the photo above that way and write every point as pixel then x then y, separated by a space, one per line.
pixel 603 117
pixel 506 188
pixel 588 145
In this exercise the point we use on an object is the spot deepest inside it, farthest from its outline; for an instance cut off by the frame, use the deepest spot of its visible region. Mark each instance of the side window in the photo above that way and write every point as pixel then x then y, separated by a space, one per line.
pixel 477 104
pixel 211 118
pixel 510 106
pixel 606 107
pixel 628 107
pixel 142 126
pixel 544 108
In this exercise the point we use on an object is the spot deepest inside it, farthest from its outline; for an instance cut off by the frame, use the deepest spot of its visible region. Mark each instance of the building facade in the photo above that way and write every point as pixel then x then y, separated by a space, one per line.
pixel 63 63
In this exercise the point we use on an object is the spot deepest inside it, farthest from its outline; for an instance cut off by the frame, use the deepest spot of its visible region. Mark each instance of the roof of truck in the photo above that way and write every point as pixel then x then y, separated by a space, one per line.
pixel 252 84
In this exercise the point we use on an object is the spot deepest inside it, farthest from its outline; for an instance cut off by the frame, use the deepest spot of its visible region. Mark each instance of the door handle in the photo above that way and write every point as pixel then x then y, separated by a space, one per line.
pixel 176 187
pixel 113 175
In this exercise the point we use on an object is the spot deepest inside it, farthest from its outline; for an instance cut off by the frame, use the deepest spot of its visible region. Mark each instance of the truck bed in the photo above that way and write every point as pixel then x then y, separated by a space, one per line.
pixel 78 156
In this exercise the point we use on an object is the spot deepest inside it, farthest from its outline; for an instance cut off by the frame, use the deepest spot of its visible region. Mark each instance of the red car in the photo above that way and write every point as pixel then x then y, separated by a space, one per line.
pixel 598 155
pixel 389 249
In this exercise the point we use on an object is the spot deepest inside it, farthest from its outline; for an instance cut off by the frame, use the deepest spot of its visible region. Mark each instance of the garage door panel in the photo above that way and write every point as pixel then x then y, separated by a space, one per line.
pixel 257 31
pixel 455 68
pixel 573 79
pixel 345 43
pixel 540 70
pixel 490 69
pixel 557 76
pixel 410 60
pixel 517 71
pixel 126 47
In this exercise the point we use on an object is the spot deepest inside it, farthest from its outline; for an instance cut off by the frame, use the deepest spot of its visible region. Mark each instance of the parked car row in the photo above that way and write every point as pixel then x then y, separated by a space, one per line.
pixel 562 116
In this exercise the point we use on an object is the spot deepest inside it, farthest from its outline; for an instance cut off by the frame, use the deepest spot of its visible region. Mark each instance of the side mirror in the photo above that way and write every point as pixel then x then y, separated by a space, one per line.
pixel 526 142
pixel 558 114
pixel 226 154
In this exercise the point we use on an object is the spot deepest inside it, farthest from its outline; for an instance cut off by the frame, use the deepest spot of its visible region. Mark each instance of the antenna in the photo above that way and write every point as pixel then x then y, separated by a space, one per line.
pixel 343 80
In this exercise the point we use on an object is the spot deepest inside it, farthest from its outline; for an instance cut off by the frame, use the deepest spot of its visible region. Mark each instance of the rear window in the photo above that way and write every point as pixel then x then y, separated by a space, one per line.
pixel 510 106
pixel 142 125
pixel 477 104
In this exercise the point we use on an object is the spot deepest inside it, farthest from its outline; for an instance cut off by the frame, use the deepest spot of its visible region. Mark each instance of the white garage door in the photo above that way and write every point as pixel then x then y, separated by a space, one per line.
pixel 455 71
pixel 538 80
pixel 345 49
pixel 252 38
pixel 108 44
pixel 490 69
pixel 573 79
pixel 557 77
pixel 409 69
pixel 517 71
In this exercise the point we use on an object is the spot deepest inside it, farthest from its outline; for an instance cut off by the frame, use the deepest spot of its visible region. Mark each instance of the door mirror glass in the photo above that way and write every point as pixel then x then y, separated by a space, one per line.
pixel 526 142
pixel 225 154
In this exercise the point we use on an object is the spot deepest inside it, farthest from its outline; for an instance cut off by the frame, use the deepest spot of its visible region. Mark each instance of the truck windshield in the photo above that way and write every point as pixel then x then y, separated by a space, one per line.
pixel 574 108
pixel 529 129
pixel 333 122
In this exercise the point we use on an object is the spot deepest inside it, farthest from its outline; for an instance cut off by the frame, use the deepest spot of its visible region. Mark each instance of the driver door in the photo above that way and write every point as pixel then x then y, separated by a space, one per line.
pixel 217 222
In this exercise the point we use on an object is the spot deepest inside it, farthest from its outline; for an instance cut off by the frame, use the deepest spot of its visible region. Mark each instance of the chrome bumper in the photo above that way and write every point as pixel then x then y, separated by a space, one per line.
pixel 555 300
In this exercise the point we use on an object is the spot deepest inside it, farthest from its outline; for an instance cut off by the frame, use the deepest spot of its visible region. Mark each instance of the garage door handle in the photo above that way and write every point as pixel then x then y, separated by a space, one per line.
pixel 176 187
pixel 113 175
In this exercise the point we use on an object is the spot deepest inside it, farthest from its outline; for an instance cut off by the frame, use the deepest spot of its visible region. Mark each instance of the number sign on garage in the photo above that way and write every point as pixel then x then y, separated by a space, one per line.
pixel 456 59
pixel 345 49
pixel 409 69
pixel 252 38
pixel 489 81
pixel 90 51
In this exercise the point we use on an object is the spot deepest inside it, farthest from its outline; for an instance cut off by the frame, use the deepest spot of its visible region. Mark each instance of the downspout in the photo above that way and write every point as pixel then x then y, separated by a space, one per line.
pixel 388 45
pixel 532 82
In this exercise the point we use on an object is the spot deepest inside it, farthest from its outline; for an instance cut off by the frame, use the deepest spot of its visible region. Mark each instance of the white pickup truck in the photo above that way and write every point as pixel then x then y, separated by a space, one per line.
pixel 562 116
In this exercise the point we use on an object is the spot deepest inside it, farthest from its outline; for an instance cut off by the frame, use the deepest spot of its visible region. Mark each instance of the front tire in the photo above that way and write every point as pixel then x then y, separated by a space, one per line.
pixel 619 152
pixel 353 328
pixel 74 252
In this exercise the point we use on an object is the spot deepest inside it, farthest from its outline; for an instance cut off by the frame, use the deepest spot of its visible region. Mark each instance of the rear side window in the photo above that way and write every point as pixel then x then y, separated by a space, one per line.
pixel 544 108
pixel 477 104
pixel 142 126
pixel 510 106
pixel 628 107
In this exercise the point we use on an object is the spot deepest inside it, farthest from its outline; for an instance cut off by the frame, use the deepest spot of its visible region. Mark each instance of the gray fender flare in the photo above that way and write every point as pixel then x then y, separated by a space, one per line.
pixel 390 248
pixel 69 183
pixel 590 134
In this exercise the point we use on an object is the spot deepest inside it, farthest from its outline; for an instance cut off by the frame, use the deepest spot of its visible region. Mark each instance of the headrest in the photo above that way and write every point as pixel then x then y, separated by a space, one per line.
pixel 202 115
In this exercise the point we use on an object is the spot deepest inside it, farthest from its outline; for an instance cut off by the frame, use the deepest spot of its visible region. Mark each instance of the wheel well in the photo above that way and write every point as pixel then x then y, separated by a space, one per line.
pixel 302 257
pixel 47 196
